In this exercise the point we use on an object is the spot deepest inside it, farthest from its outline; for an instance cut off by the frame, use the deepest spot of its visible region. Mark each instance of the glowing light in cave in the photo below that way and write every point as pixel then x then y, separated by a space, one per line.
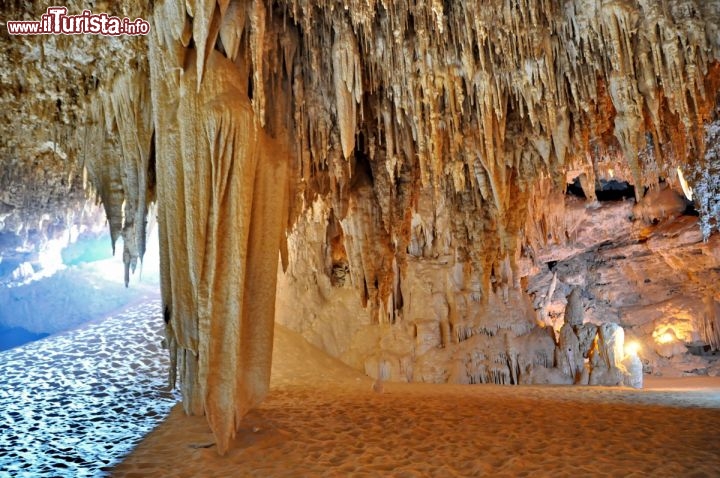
pixel 685 187
pixel 632 348
pixel 50 257
pixel 665 338
pixel 680 330
pixel 49 262
pixel 62 285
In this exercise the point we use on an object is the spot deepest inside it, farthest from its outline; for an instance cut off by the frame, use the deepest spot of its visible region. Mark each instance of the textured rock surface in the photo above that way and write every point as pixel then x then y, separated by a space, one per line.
pixel 659 282
pixel 426 148
pixel 46 124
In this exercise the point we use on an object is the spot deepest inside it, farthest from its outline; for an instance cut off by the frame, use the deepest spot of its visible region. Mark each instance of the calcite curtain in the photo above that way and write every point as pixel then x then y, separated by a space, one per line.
pixel 221 213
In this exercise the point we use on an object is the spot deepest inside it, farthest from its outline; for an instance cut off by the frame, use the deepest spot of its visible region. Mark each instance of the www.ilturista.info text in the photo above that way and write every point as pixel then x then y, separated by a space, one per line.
pixel 57 22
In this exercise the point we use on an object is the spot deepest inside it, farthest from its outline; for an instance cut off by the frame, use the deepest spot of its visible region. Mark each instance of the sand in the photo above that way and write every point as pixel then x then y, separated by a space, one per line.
pixel 322 418
pixel 73 404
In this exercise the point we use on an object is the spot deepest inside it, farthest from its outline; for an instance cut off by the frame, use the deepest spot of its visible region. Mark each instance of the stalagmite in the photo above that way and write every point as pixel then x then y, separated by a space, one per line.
pixel 571 360
pixel 606 362
pixel 586 336
pixel 574 312
pixel 634 371
pixel 611 344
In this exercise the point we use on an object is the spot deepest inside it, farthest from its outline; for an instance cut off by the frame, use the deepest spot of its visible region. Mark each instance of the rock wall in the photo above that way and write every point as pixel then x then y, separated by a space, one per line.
pixel 658 281
pixel 46 86
pixel 437 326
pixel 452 200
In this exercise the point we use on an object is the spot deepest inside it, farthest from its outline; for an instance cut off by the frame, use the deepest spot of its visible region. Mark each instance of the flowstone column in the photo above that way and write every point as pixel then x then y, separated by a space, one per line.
pixel 221 213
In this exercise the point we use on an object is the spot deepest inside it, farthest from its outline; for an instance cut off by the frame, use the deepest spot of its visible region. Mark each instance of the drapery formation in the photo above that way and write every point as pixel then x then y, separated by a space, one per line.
pixel 191 131
pixel 221 210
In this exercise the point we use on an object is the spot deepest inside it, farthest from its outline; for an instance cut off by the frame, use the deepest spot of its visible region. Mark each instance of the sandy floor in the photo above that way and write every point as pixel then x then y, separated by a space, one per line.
pixel 72 404
pixel 323 419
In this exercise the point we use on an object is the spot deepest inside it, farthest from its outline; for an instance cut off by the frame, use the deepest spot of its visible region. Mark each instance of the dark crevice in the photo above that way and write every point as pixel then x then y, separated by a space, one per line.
pixel 690 209
pixel 574 189
pixel 363 174
pixel 611 190
pixel 151 172
pixel 399 302
pixel 615 190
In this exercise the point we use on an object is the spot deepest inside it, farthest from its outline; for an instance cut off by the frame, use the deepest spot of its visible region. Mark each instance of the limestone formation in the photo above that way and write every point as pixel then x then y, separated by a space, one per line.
pixel 606 360
pixel 710 322
pixel 660 204
pixel 634 371
pixel 586 338
pixel 574 311
pixel 569 358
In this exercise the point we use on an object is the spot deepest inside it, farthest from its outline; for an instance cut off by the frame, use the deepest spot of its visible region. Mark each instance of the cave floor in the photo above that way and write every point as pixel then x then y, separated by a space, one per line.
pixel 323 419
pixel 75 403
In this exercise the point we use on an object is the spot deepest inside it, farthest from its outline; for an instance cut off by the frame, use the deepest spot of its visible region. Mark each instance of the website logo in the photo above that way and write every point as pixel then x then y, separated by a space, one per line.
pixel 56 21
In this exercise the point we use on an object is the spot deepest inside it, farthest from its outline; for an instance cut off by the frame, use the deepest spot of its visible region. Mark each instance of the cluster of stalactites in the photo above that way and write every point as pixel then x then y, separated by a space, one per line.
pixel 247 33
pixel 472 103
pixel 116 142
pixel 453 73
pixel 484 101
pixel 403 112
pixel 117 148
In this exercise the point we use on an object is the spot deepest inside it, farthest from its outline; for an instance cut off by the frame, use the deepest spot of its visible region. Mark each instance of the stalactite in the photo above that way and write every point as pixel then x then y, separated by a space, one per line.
pixel 507 84
pixel 710 322
pixel 120 175
pixel 347 79
pixel 257 49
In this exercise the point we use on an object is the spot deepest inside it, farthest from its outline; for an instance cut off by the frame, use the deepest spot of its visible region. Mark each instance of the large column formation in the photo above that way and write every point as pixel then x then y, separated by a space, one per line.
pixel 221 213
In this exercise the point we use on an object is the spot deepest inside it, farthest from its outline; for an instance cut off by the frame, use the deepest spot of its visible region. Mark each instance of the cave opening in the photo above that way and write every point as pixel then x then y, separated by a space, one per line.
pixel 614 190
pixel 575 189
pixel 73 272
pixel 702 350
pixel 690 209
